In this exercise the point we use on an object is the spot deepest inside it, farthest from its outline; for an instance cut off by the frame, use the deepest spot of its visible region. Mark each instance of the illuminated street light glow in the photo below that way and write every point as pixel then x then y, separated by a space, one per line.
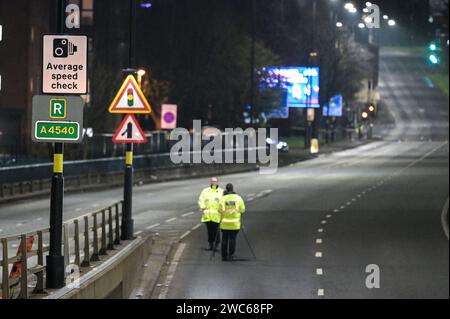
pixel 372 108
pixel 348 6
pixel 392 23
pixel 385 17
pixel 368 4
pixel 339 24
pixel 433 47
pixel 365 115
pixel 361 25
pixel 141 72
pixel 434 59
pixel 368 20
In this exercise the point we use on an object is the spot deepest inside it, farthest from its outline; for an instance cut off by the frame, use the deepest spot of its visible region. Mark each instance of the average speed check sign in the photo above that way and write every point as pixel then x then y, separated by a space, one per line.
pixel 64 64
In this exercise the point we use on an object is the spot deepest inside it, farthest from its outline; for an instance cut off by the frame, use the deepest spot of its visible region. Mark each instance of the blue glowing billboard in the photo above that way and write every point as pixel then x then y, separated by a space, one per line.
pixel 301 85
pixel 334 107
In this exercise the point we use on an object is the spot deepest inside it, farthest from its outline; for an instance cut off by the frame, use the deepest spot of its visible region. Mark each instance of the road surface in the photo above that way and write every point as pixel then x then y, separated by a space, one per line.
pixel 314 226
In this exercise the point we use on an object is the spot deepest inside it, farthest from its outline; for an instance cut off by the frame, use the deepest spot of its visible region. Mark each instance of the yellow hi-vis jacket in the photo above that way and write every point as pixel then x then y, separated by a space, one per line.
pixel 209 203
pixel 232 208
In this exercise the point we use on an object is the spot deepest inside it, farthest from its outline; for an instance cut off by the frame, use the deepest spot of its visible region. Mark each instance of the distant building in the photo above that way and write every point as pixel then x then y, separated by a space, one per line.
pixel 23 22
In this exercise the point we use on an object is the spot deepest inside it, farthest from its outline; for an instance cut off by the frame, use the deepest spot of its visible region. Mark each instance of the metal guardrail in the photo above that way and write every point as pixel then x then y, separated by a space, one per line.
pixel 93 235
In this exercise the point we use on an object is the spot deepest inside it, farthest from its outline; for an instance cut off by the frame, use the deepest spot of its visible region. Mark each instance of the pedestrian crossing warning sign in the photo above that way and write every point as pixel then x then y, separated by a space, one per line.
pixel 130 99
pixel 129 132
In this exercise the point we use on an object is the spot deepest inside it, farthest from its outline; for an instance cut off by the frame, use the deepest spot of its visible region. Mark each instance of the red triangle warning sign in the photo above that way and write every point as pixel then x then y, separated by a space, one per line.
pixel 130 99
pixel 129 132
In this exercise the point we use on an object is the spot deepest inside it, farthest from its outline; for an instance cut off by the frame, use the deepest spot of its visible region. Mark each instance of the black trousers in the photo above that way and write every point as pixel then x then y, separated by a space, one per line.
pixel 213 233
pixel 229 243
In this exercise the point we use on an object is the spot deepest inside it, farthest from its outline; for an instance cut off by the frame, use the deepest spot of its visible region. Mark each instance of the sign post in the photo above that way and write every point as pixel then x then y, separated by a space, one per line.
pixel 129 100
pixel 64 71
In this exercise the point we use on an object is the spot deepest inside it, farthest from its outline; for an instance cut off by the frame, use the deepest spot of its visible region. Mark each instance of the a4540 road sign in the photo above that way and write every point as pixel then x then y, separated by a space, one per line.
pixel 57 119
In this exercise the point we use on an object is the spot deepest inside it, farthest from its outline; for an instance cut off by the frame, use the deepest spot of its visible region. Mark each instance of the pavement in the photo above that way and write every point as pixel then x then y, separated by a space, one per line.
pixel 319 228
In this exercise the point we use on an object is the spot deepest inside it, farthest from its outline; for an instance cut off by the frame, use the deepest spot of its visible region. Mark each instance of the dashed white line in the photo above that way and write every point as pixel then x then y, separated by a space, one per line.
pixel 171 220
pixel 319 254
pixel 348 203
pixel 196 226
pixel 250 199
pixel 320 292
pixel 319 271
pixel 342 207
pixel 138 233
pixel 319 241
pixel 320 230
pixel 152 226
pixel 353 199
pixel 185 234
pixel 19 224
pixel 329 216
pixel 336 211
pixel 251 195
pixel 188 214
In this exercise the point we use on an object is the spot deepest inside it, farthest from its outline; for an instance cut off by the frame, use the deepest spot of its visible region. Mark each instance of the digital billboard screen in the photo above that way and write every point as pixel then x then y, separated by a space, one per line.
pixel 301 85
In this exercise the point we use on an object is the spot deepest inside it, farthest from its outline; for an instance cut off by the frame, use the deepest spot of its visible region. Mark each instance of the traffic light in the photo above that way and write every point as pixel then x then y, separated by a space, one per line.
pixel 130 97
pixel 433 53
pixel 365 115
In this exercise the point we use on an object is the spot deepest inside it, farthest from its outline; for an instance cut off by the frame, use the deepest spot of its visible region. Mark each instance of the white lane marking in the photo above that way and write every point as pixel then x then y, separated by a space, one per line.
pixel 171 272
pixel 444 218
pixel 342 207
pixel 250 199
pixel 185 234
pixel 137 233
pixel 319 271
pixel 251 195
pixel 319 241
pixel 78 209
pixel 320 292
pixel 353 199
pixel 422 158
pixel 152 226
pixel 359 195
pixel 19 224
pixel 329 216
pixel 324 222
pixel 188 214
pixel 1 230
pixel 320 230
pixel 197 226
pixel 336 211
pixel 319 254
pixel 348 203
pixel 364 192
pixel 171 220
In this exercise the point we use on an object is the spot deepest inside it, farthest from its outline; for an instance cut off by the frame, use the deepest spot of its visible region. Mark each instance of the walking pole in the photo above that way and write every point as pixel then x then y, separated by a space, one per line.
pixel 215 243
pixel 248 243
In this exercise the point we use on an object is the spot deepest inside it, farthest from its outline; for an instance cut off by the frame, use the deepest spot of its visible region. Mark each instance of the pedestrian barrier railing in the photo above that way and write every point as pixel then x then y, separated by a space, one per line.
pixel 85 239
